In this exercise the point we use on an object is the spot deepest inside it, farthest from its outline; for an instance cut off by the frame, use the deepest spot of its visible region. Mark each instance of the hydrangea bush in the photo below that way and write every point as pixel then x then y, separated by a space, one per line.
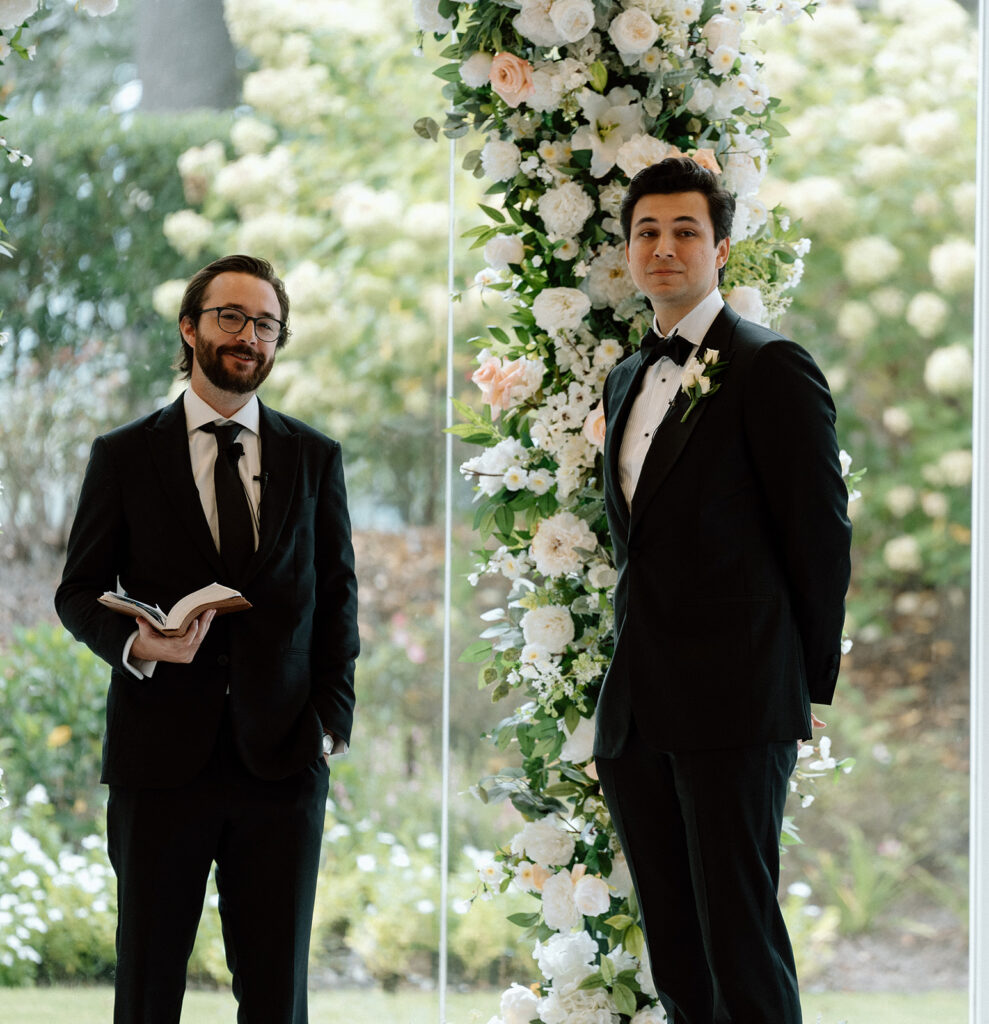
pixel 890 132
pixel 568 99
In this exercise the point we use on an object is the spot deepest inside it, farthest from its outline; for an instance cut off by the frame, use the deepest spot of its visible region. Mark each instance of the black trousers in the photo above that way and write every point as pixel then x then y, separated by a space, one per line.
pixel 264 838
pixel 700 831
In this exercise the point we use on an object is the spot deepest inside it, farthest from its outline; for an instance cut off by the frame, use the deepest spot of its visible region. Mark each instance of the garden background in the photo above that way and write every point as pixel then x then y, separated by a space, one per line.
pixel 288 133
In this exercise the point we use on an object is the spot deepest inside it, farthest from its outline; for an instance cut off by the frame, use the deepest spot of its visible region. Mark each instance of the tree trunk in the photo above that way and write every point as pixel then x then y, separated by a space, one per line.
pixel 185 58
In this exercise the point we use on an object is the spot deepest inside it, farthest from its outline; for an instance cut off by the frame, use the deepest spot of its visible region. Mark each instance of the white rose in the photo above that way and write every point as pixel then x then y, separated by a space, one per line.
pixel 573 19
pixel 544 842
pixel 702 97
pixel 721 31
pixel 579 746
pixel 557 543
pixel 641 151
pixel 559 907
pixel 578 1006
pixel 550 625
pixel 502 250
pixel 518 1004
pixel 475 70
pixel 534 22
pixel 948 370
pixel 427 17
pixel 565 209
pixel 927 314
pixel 633 32
pixel 747 301
pixel 566 960
pixel 608 281
pixel 14 12
pixel 560 309
pixel 902 554
pixel 500 160
pixel 591 896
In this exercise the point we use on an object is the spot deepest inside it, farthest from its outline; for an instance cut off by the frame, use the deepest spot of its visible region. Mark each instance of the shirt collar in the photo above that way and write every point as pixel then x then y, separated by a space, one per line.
pixel 695 325
pixel 198 412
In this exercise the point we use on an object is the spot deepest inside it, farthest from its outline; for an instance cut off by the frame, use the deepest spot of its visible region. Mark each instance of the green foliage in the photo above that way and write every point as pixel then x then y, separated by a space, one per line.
pixel 52 694
pixel 85 348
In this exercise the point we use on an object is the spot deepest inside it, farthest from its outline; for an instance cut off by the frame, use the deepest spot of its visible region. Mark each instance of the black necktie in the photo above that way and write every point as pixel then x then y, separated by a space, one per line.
pixel 653 348
pixel 232 506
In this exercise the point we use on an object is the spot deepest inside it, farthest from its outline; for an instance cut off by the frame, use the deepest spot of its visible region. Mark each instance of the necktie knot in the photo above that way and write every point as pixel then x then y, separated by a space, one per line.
pixel 654 347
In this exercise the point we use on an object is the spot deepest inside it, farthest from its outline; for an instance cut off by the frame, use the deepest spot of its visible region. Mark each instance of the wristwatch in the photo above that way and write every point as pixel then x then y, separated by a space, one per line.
pixel 328 741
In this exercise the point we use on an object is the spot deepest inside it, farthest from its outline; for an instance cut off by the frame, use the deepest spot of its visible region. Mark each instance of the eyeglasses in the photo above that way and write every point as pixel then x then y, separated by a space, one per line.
pixel 232 321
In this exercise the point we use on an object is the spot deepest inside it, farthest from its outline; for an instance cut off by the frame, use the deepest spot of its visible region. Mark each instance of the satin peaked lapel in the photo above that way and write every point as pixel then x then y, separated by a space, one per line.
pixel 169 449
pixel 280 450
pixel 671 436
pixel 625 389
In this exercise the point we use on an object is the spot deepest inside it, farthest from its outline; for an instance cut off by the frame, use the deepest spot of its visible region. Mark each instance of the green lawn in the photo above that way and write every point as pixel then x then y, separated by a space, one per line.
pixel 93 1006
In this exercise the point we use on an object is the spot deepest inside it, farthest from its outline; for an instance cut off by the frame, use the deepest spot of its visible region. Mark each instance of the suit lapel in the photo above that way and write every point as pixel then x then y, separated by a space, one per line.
pixel 672 436
pixel 280 450
pixel 628 380
pixel 169 450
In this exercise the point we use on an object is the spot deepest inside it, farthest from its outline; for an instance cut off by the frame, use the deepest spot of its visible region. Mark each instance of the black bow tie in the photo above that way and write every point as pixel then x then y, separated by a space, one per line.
pixel 674 347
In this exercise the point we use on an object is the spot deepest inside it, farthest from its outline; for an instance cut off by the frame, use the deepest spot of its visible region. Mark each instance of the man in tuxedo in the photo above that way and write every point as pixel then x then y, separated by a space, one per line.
pixel 217 741
pixel 731 540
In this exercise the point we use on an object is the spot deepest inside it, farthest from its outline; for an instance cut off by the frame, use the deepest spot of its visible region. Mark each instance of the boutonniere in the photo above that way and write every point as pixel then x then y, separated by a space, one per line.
pixel 697 381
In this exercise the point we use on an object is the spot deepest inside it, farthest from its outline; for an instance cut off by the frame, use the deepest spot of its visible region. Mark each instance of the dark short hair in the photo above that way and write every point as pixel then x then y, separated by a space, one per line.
pixel 681 174
pixel 196 288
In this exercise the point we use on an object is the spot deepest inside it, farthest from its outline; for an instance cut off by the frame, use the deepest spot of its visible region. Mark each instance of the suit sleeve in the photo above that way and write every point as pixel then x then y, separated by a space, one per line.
pixel 93 560
pixel 335 638
pixel 790 429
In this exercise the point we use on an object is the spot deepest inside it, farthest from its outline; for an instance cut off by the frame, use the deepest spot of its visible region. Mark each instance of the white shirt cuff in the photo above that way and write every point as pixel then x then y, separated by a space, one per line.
pixel 136 666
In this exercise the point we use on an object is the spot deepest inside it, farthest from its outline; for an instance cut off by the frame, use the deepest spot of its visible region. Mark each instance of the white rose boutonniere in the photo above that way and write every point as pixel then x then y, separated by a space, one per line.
pixel 698 374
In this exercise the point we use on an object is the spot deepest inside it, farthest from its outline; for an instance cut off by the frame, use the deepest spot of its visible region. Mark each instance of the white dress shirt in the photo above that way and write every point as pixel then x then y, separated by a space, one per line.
pixel 202 452
pixel 660 385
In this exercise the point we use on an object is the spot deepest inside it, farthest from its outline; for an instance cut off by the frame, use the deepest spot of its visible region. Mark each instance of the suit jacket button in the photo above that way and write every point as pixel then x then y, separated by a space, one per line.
pixel 223 661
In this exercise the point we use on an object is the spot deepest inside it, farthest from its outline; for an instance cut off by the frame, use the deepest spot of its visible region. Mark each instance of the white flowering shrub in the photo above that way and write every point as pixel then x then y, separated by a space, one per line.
pixel 567 100
pixel 886 303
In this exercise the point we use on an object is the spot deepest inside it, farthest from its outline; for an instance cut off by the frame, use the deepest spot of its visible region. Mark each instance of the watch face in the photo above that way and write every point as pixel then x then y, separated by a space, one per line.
pixel 327 743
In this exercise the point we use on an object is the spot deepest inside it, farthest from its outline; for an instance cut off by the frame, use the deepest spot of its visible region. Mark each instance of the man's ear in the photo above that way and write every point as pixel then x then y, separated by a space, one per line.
pixel 723 248
pixel 188 331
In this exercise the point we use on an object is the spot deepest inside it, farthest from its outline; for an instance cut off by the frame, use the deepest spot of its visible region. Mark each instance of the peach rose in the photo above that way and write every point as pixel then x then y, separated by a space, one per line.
pixel 511 78
pixel 594 426
pixel 706 158
pixel 496 381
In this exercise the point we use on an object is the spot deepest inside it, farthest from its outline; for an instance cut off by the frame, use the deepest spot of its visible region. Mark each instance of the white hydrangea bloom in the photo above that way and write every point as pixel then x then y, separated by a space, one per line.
pixel 870 260
pixel 948 370
pixel 565 209
pixel 902 554
pixel 500 159
pixel 927 314
pixel 952 265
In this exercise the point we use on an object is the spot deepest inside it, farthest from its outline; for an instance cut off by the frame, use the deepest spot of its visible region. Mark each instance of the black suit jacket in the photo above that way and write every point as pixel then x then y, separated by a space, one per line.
pixel 288 661
pixel 733 560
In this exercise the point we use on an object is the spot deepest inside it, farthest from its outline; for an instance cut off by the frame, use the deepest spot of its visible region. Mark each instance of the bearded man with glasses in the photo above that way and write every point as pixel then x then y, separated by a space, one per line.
pixel 218 741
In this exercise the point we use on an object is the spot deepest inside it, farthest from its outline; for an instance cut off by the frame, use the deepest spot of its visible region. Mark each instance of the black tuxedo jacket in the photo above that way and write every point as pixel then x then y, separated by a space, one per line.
pixel 733 560
pixel 288 661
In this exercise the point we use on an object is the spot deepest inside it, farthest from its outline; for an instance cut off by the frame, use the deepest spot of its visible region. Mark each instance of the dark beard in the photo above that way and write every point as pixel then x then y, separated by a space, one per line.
pixel 210 361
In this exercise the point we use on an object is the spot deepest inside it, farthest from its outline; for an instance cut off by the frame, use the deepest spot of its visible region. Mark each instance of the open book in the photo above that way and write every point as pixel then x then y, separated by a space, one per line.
pixel 176 621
